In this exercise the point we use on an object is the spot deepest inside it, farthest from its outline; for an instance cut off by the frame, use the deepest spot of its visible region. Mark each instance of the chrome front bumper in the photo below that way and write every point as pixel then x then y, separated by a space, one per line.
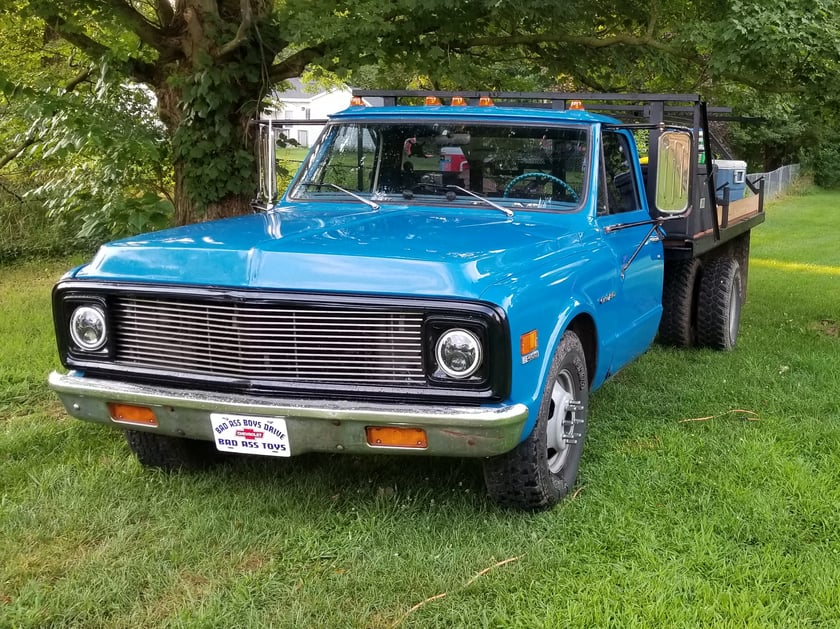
pixel 313 425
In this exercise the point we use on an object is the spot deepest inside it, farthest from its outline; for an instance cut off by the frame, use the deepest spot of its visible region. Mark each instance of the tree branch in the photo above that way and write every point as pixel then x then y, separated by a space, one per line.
pixel 15 152
pixel 242 32
pixel 148 33
pixel 10 191
pixel 294 65
pixel 78 79
pixel 165 13
pixel 654 14
pixel 622 39
pixel 60 27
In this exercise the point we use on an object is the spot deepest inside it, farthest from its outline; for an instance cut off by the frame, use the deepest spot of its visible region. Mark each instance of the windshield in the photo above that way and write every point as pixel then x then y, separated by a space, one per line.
pixel 511 165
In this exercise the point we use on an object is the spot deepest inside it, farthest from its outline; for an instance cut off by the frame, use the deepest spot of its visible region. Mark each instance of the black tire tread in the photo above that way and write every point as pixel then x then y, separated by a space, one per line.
pixel 678 326
pixel 520 478
pixel 720 278
pixel 170 454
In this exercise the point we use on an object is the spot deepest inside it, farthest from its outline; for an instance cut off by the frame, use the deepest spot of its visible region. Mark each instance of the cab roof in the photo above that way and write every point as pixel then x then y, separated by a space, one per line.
pixel 470 113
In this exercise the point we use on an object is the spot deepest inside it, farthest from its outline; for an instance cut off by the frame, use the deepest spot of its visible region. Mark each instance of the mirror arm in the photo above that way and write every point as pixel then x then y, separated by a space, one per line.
pixel 655 226
pixel 619 226
pixel 633 257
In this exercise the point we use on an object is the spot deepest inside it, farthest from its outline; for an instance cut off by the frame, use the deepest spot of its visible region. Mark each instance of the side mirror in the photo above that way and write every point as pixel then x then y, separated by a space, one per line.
pixel 673 172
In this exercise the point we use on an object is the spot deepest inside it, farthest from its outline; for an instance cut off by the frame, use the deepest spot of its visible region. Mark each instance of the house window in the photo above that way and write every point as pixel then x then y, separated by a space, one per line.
pixel 303 138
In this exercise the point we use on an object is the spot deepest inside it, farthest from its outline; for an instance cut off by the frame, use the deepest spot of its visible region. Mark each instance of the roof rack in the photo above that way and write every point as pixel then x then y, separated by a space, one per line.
pixel 653 108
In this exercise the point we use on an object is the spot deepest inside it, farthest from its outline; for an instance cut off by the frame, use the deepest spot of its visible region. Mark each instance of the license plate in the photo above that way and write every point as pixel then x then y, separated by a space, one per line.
pixel 246 434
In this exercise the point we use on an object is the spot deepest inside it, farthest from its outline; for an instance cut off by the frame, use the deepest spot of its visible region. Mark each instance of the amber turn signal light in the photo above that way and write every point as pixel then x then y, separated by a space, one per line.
pixel 130 414
pixel 528 342
pixel 396 437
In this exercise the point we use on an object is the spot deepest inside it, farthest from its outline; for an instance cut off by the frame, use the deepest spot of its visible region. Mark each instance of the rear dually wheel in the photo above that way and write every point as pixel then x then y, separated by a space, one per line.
pixel 719 304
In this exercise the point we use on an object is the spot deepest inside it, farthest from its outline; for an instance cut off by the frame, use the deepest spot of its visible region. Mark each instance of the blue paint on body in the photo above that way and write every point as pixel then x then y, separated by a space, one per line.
pixel 543 268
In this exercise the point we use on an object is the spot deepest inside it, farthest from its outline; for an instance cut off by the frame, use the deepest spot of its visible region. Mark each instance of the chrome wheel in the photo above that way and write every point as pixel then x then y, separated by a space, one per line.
pixel 563 420
pixel 734 314
pixel 543 467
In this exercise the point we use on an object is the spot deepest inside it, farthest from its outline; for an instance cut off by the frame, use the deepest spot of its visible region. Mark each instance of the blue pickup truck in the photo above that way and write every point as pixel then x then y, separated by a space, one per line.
pixel 447 274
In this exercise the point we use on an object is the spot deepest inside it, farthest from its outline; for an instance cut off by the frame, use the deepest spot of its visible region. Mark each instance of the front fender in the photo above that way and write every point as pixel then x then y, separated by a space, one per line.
pixel 547 303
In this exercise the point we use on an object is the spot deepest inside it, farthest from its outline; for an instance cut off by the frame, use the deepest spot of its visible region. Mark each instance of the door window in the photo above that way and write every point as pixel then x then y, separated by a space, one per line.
pixel 619 188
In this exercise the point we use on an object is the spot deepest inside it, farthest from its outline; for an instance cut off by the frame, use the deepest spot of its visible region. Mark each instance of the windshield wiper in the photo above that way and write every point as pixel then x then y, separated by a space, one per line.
pixel 506 210
pixel 368 202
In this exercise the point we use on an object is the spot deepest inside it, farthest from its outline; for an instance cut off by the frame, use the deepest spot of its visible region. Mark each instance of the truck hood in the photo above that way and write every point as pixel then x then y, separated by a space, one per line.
pixel 399 249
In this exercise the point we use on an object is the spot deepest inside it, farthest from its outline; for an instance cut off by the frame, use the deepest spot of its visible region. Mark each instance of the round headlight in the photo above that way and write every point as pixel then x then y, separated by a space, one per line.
pixel 87 328
pixel 458 353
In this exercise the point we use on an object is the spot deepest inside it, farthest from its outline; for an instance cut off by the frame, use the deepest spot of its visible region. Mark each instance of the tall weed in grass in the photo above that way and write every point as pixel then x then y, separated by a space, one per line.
pixel 27 233
pixel 688 513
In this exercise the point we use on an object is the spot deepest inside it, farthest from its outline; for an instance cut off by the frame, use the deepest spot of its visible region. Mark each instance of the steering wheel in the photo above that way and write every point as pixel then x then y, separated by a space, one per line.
pixel 524 176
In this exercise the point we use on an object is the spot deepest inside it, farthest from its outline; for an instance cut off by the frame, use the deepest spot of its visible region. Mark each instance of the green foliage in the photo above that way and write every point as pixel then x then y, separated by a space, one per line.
pixel 211 141
pixel 26 232
pixel 824 164
pixel 214 67
pixel 101 162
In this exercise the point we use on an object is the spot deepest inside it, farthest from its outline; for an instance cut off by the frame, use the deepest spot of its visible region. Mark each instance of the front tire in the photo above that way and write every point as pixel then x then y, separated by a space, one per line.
pixel 542 469
pixel 171 454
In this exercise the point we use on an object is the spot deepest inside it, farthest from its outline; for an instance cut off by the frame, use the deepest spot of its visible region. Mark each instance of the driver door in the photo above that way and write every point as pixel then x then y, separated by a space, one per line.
pixel 634 307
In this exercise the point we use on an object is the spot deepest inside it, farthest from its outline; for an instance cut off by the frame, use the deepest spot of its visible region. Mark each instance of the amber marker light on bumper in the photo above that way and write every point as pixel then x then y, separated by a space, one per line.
pixel 396 437
pixel 130 414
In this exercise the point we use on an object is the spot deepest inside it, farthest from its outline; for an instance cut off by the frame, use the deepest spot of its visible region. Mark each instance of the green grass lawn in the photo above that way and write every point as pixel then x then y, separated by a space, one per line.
pixel 732 521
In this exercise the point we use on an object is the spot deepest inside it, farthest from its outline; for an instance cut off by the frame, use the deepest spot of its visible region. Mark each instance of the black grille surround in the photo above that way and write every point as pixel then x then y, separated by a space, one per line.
pixel 308 345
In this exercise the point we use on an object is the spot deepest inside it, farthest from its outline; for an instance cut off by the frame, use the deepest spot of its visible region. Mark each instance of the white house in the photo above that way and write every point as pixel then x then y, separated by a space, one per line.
pixel 306 102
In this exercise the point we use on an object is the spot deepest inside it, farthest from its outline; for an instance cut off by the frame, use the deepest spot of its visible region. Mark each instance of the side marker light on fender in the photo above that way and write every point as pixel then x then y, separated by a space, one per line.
pixel 529 346
pixel 528 342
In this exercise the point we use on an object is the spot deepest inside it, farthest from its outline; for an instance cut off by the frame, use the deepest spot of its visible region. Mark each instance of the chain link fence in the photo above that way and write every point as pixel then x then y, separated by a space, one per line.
pixel 776 182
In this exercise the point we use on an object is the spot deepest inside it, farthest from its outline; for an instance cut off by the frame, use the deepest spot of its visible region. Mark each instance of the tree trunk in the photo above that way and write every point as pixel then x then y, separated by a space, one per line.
pixel 238 176
pixel 184 207
pixel 206 100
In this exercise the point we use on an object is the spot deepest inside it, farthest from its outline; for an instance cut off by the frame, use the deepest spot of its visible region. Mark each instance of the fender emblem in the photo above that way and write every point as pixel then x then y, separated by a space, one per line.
pixel 607 297
pixel 530 356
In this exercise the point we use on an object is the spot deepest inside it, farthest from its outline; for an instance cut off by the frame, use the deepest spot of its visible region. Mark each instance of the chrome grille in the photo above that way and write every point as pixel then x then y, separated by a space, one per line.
pixel 269 342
